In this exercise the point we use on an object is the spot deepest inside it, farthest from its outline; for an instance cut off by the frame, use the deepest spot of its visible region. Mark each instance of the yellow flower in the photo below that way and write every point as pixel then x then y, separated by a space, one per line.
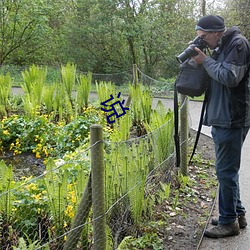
pixel 37 196
pixel 16 152
pixel 69 211
pixel 73 199
pixel 38 155
pixel 26 178
pixel 6 132
pixel 31 187
pixel 45 151
pixel 14 209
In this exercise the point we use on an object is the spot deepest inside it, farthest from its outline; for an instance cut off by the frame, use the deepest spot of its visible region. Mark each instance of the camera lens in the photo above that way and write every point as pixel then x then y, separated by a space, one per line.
pixel 190 51
pixel 187 53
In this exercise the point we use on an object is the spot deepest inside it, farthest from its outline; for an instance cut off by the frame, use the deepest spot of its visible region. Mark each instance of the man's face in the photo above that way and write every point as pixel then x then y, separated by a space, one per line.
pixel 211 38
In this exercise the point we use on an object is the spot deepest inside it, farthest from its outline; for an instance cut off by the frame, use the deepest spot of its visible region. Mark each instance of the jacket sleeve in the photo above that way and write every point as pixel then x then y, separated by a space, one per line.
pixel 230 70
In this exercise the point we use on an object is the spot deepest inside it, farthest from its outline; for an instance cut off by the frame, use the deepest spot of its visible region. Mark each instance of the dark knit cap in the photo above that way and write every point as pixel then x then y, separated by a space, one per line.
pixel 210 23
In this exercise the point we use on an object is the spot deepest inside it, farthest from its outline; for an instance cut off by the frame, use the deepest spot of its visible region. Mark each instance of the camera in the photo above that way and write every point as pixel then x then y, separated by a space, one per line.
pixel 190 51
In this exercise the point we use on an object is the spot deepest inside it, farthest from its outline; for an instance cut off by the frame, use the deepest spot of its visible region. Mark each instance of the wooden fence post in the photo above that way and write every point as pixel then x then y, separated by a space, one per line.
pixel 135 82
pixel 98 195
pixel 135 74
pixel 184 135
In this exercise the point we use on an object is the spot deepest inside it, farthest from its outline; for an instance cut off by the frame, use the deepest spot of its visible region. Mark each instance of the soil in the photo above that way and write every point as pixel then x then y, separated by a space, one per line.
pixel 25 164
pixel 186 223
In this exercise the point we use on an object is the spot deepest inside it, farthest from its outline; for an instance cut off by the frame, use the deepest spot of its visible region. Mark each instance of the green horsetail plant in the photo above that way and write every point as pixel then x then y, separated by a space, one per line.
pixel 121 128
pixel 62 106
pixel 117 162
pixel 115 182
pixel 58 102
pixel 6 184
pixel 83 91
pixel 136 178
pixel 68 74
pixel 126 171
pixel 56 184
pixel 34 81
pixel 161 129
pixel 104 90
pixel 146 101
pixel 5 90
pixel 48 98
pixel 135 93
pixel 30 108
pixel 141 106
pixel 68 108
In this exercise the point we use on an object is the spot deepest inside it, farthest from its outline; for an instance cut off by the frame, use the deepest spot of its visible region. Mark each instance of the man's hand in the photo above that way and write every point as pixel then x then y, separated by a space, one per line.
pixel 200 58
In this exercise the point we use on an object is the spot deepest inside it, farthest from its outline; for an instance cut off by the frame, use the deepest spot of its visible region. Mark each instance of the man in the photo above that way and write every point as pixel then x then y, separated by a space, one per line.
pixel 228 112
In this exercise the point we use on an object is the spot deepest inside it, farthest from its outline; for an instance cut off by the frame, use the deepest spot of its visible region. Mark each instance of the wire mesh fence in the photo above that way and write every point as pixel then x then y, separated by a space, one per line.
pixel 48 209
pixel 55 210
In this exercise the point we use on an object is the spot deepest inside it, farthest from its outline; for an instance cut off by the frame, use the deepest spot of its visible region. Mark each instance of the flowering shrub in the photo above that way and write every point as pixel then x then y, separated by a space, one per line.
pixel 37 205
pixel 44 137
pixel 30 204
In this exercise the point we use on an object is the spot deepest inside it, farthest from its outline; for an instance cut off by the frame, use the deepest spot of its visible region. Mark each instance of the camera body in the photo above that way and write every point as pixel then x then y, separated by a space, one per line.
pixel 190 51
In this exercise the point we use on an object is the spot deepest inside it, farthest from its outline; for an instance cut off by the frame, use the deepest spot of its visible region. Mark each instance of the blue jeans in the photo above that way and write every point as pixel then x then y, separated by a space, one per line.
pixel 228 145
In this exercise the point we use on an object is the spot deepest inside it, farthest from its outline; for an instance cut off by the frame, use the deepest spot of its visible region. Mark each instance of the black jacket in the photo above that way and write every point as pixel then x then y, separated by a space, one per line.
pixel 229 90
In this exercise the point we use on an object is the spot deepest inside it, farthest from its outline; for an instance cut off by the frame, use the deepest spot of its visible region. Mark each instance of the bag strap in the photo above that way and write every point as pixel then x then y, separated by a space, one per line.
pixel 199 127
pixel 176 126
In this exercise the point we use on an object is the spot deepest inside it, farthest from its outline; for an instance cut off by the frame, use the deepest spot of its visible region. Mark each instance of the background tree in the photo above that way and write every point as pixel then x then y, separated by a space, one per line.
pixel 94 38
pixel 237 13
pixel 105 36
pixel 109 36
pixel 21 26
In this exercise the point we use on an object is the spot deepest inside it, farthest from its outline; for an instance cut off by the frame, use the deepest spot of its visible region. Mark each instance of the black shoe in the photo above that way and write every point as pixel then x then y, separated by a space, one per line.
pixel 241 219
pixel 221 231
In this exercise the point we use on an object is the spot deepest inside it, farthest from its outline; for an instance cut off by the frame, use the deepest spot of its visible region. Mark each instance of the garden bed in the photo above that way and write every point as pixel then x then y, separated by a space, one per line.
pixel 178 222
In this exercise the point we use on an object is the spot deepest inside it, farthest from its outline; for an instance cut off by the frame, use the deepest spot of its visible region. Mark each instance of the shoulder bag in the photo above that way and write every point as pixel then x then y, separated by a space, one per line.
pixel 192 79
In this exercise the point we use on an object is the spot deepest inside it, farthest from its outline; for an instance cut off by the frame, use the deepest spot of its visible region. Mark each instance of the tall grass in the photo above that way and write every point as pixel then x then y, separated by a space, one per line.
pixel 68 74
pixel 104 90
pixel 161 128
pixel 48 98
pixel 83 91
pixel 6 197
pixel 33 86
pixel 141 103
pixel 5 90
